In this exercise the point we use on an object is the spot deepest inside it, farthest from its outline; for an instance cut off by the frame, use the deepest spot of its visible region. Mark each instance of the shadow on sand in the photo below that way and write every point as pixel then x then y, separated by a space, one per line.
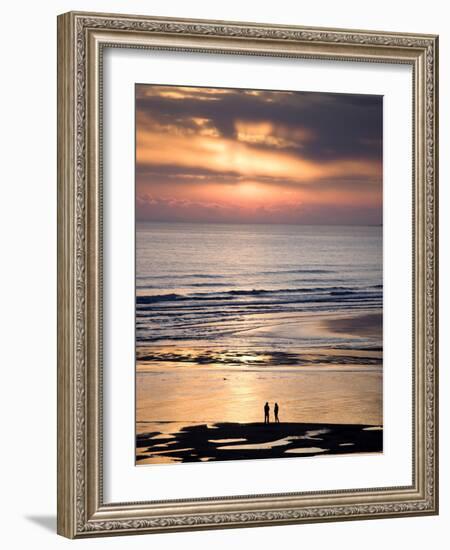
pixel 234 441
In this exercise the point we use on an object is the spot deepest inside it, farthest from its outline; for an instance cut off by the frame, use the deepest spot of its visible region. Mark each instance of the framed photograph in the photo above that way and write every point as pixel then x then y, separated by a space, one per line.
pixel 247 288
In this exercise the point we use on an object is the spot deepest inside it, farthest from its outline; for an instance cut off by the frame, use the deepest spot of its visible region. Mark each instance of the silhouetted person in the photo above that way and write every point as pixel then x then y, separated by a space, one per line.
pixel 275 410
pixel 266 413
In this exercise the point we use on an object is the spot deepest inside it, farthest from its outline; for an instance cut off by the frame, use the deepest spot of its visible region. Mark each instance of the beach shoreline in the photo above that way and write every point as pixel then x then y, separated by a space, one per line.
pixel 337 386
pixel 355 337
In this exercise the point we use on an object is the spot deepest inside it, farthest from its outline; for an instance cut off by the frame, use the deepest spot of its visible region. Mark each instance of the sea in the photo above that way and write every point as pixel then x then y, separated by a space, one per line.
pixel 203 282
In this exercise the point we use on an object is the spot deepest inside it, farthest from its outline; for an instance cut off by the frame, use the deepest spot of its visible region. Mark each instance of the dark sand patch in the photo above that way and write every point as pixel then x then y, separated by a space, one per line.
pixel 370 324
pixel 273 358
pixel 257 440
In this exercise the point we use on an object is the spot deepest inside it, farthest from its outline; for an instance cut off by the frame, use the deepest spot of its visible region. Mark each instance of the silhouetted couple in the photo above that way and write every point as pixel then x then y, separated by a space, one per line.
pixel 267 413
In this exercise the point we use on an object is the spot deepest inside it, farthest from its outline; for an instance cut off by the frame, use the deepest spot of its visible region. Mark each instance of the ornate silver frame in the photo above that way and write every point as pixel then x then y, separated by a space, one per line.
pixel 81 39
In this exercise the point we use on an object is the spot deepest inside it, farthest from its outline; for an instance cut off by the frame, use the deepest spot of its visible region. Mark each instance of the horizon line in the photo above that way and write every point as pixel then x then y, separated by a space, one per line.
pixel 179 222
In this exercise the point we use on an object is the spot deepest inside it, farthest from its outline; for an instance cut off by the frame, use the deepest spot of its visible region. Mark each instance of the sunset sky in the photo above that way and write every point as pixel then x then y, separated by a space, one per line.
pixel 252 156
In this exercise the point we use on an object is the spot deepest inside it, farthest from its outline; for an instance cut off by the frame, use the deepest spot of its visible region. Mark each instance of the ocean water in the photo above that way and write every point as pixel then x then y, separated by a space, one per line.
pixel 231 316
pixel 203 282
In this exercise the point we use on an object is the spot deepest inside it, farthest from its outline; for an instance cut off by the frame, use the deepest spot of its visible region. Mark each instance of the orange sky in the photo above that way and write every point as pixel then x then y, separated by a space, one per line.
pixel 239 156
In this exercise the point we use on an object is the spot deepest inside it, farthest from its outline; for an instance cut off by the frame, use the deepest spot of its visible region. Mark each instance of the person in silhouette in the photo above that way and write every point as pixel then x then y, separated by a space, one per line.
pixel 275 410
pixel 266 413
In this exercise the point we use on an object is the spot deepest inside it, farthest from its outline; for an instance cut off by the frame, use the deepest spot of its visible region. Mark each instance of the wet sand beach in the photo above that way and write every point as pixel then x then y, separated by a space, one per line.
pixel 183 392
pixel 233 441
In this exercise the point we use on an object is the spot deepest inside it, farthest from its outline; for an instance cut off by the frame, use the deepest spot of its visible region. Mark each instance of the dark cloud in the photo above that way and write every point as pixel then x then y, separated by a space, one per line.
pixel 183 173
pixel 185 176
pixel 344 125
